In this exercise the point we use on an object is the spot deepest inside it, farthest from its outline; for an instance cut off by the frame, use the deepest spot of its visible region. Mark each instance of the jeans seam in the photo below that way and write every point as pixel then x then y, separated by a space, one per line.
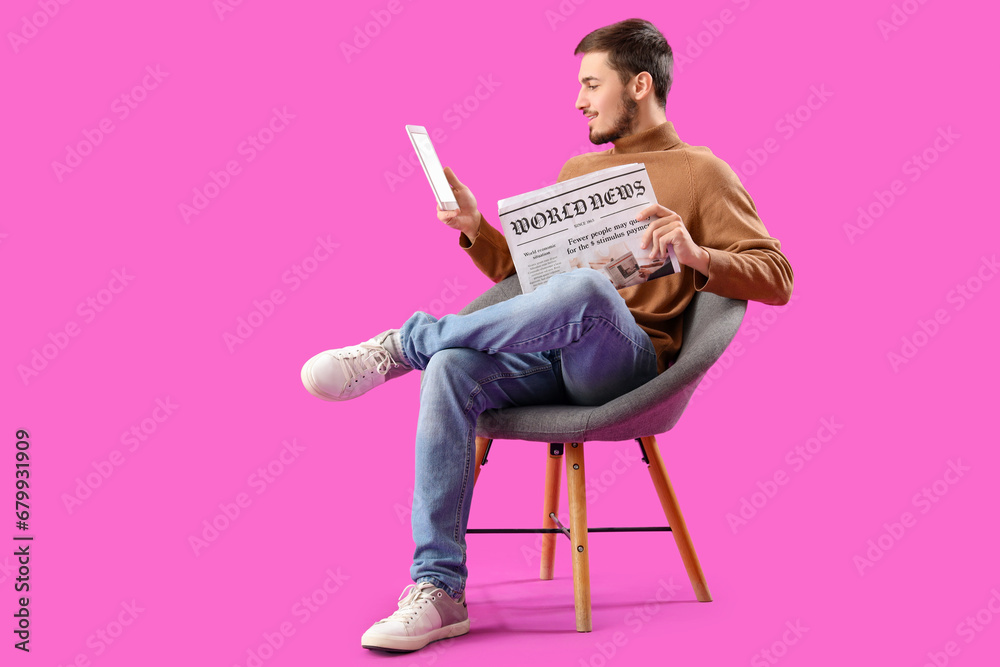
pixel 470 446
pixel 501 376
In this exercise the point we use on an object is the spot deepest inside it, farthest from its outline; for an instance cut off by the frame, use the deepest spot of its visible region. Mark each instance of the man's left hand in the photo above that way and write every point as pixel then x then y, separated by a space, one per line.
pixel 667 228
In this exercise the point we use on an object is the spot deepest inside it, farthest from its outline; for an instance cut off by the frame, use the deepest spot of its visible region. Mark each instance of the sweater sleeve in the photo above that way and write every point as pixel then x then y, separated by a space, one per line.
pixel 745 262
pixel 489 251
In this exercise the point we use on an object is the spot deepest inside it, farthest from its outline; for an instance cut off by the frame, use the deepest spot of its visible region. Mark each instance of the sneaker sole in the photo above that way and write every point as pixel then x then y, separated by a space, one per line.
pixel 410 644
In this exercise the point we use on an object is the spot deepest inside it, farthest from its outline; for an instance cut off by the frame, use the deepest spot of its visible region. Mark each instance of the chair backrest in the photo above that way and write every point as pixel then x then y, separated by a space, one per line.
pixel 710 323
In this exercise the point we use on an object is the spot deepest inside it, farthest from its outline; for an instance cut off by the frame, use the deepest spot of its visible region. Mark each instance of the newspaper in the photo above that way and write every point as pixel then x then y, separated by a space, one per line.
pixel 588 221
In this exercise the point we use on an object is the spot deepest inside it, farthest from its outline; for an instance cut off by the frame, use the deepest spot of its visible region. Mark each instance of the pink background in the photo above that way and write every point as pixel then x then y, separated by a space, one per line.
pixel 339 504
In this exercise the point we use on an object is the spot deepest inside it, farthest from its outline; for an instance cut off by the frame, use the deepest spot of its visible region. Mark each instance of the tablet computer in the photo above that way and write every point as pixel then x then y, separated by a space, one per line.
pixel 432 167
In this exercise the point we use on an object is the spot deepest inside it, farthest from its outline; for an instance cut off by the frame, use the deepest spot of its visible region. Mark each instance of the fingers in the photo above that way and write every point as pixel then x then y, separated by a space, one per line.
pixel 646 212
pixel 452 179
pixel 662 245
pixel 446 216
pixel 657 210
pixel 653 227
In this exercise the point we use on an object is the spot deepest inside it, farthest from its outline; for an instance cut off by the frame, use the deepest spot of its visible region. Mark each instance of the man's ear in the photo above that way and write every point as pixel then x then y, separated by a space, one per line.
pixel 642 86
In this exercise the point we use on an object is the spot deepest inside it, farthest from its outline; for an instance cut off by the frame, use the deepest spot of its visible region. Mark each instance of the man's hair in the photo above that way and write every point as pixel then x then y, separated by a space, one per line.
pixel 634 46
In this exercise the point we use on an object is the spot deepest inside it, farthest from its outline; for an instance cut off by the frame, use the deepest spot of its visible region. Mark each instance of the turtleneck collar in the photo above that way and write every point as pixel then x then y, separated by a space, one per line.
pixel 659 138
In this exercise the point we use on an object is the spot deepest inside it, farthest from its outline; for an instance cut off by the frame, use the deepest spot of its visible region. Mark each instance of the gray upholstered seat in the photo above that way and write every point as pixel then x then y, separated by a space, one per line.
pixel 710 322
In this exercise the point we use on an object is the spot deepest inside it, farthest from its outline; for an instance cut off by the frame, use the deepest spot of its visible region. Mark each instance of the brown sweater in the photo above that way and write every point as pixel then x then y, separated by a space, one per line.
pixel 745 262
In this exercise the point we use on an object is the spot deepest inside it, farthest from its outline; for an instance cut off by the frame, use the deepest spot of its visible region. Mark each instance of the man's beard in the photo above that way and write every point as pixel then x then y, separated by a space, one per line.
pixel 623 126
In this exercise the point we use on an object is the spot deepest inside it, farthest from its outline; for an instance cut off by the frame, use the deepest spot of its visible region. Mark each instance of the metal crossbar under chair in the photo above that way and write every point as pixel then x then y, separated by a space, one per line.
pixel 710 323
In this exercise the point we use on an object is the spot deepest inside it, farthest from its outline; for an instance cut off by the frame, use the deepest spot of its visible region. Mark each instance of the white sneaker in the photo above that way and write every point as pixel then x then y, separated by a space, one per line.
pixel 348 372
pixel 426 614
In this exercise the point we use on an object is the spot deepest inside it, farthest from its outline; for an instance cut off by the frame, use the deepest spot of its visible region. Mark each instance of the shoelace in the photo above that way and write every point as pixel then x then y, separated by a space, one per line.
pixel 360 363
pixel 409 603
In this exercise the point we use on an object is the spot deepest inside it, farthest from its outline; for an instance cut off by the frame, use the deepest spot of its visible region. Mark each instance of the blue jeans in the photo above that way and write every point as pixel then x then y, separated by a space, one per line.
pixel 571 341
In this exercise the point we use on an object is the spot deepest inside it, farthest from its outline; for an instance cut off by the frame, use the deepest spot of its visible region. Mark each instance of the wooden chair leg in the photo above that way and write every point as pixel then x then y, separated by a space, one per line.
pixel 550 504
pixel 481 445
pixel 658 471
pixel 576 485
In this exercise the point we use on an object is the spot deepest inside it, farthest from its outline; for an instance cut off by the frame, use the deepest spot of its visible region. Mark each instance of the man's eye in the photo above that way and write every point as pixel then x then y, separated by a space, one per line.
pixel 591 87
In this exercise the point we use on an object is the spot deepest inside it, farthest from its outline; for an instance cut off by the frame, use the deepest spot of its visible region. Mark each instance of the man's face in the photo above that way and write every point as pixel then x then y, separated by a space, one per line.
pixel 604 100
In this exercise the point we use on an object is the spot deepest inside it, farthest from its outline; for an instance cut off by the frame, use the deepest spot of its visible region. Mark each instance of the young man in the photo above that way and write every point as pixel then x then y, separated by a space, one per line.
pixel 574 340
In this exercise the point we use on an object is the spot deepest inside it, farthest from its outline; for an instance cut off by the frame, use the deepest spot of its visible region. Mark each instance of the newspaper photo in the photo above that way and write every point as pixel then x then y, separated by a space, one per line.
pixel 588 221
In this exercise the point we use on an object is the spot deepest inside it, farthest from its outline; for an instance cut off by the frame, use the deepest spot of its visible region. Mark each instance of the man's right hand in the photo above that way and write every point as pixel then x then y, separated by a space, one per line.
pixel 466 219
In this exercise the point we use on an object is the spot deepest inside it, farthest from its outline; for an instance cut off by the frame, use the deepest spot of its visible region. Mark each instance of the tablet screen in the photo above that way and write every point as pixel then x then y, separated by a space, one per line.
pixel 432 166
